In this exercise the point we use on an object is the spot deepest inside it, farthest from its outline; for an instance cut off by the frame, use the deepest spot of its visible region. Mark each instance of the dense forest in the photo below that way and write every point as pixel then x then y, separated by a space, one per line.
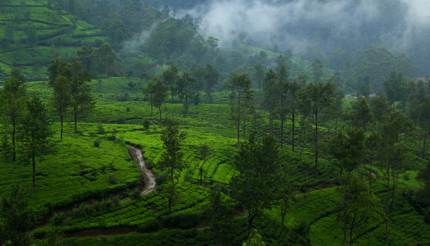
pixel 206 122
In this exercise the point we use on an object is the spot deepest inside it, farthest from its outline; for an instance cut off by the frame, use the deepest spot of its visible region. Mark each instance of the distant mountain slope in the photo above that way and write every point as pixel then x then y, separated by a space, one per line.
pixel 32 34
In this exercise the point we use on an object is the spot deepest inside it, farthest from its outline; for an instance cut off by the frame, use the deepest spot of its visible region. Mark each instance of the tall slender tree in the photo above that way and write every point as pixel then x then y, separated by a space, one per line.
pixel 211 78
pixel 61 99
pixel 171 161
pixel 80 93
pixel 271 92
pixel 12 98
pixel 159 92
pixel 241 101
pixel 317 98
pixel 256 185
pixel 188 91
pixel 36 131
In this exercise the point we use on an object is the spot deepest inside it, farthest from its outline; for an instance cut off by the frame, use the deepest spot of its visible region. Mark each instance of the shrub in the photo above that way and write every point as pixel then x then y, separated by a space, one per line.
pixel 185 221
pixel 97 143
pixel 146 124
pixel 113 180
pixel 101 130
pixel 122 97
pixel 58 219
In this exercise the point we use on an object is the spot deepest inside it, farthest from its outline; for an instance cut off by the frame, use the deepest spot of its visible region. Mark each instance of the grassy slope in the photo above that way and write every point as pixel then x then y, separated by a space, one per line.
pixel 34 34
pixel 74 168
pixel 209 124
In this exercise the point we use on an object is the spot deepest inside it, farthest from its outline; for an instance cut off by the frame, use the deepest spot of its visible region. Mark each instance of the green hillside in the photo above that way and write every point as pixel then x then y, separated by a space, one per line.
pixel 32 34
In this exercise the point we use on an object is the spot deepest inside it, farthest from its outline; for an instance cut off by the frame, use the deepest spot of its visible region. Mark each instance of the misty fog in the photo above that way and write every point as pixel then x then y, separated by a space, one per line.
pixel 319 27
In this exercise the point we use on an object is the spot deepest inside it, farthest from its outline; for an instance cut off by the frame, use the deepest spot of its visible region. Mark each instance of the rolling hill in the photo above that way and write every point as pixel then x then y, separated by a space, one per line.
pixel 32 34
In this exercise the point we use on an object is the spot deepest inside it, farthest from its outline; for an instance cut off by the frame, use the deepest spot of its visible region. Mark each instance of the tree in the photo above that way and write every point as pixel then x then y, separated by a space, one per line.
pixel 317 71
pixel 240 100
pixel 361 115
pixel 171 161
pixel 220 217
pixel 271 92
pixel 105 60
pixel 12 107
pixel 158 92
pixel 348 148
pixel 16 219
pixel 284 88
pixel 58 68
pixel 395 88
pixel 423 196
pixel 292 99
pixel 203 155
pixel 148 92
pixel 170 78
pixel 61 99
pixel 81 100
pixel 420 112
pixel 392 157
pixel 211 78
pixel 379 106
pixel 317 99
pixel 259 74
pixel 254 239
pixel 358 207
pixel 187 90
pixel 36 130
pixel 256 185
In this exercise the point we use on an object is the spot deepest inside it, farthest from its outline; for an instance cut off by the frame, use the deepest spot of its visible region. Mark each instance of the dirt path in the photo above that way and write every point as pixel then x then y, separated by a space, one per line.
pixel 148 177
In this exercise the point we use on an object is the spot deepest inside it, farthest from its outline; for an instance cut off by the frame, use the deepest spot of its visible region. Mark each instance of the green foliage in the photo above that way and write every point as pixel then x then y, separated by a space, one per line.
pixel 12 100
pixel 36 131
pixel 171 161
pixel 255 239
pixel 16 219
pixel 257 183
pixel 358 208
pixel 241 102
pixel 348 148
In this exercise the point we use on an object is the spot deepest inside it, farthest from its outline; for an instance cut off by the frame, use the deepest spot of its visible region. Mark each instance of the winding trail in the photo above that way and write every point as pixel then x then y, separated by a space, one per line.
pixel 148 178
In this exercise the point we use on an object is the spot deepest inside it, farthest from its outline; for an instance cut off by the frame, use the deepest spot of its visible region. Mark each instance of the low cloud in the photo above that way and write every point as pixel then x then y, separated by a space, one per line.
pixel 300 25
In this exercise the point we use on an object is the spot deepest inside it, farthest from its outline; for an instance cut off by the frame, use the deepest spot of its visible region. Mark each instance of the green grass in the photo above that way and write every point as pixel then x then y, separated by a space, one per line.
pixel 74 168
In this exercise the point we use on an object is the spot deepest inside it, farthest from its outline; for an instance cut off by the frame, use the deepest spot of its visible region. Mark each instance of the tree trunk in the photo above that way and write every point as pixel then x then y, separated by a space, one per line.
pixel 351 232
pixel 61 126
pixel 75 119
pixel 150 103
pixel 284 209
pixel 201 175
pixel 293 130
pixel 316 138
pixel 238 118
pixel 424 146
pixel 282 129
pixel 186 104
pixel 33 161
pixel 303 136
pixel 251 217
pixel 271 122
pixel 172 189
pixel 14 139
